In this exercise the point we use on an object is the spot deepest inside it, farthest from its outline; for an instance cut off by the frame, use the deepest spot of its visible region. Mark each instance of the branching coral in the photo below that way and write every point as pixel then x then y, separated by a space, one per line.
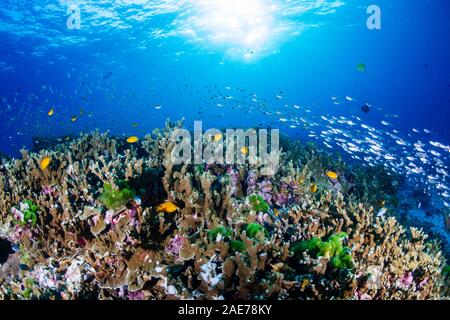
pixel 232 234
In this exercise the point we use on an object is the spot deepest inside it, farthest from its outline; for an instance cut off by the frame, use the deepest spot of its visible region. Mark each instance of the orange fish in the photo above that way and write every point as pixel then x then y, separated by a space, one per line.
pixel 217 137
pixel 332 175
pixel 132 139
pixel 45 162
pixel 168 207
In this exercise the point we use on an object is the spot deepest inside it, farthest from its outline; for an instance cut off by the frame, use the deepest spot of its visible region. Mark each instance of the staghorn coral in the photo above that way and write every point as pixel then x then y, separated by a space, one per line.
pixel 235 234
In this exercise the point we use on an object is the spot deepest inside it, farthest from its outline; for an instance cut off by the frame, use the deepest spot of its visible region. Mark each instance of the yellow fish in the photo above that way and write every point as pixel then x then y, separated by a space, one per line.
pixel 74 118
pixel 314 188
pixel 45 163
pixel 166 207
pixel 244 150
pixel 217 137
pixel 332 175
pixel 132 139
pixel 51 112
pixel 304 283
pixel 276 212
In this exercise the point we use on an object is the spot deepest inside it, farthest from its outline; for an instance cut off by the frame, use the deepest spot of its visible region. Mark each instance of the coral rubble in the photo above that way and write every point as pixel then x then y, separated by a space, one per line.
pixel 91 226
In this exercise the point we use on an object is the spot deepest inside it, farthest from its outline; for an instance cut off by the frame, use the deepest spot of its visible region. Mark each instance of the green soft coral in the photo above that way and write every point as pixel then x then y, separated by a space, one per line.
pixel 115 198
pixel 333 248
pixel 258 203
pixel 30 214
pixel 214 233
pixel 256 231
pixel 237 245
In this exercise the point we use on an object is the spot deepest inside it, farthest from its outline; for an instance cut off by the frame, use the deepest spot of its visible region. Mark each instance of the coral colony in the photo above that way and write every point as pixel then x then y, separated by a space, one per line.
pixel 104 218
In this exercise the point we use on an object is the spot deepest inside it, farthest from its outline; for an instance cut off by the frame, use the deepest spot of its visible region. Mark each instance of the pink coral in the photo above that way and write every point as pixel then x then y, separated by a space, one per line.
pixel 407 280
pixel 49 191
pixel 175 245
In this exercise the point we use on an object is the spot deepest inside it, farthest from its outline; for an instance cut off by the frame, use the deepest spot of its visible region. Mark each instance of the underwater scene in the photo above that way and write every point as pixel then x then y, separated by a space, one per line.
pixel 224 150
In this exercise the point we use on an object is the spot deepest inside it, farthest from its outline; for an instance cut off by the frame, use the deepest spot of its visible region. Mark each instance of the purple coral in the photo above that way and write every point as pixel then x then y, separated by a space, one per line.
pixel 234 176
pixel 175 245
pixel 49 191
pixel 252 177
pixel 266 190
pixel 406 280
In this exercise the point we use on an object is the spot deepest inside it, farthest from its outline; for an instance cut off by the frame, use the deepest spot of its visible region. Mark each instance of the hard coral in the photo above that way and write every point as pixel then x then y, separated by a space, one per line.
pixel 234 235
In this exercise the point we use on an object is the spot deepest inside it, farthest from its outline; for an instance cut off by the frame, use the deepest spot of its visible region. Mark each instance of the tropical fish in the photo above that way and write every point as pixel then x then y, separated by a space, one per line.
pixel 361 67
pixel 217 137
pixel 365 108
pixel 168 207
pixel 244 150
pixel 382 212
pixel 132 139
pixel 135 125
pixel 44 163
pixel 332 175
pixel 304 284
pixel 314 188
pixel 74 118
pixel 51 112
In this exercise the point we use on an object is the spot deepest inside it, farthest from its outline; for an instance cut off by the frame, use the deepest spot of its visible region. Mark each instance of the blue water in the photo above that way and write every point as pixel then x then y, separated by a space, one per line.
pixel 225 63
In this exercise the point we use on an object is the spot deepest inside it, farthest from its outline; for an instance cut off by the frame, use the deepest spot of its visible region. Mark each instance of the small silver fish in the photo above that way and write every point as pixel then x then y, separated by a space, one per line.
pixel 382 212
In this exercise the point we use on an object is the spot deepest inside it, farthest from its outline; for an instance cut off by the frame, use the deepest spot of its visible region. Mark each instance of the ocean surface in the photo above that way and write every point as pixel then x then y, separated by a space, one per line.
pixel 367 79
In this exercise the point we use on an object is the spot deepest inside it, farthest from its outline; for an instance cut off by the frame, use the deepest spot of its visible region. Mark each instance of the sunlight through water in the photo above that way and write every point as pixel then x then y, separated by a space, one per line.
pixel 243 27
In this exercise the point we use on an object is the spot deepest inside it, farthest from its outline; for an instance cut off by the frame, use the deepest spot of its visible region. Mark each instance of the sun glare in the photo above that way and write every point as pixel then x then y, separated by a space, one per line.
pixel 242 26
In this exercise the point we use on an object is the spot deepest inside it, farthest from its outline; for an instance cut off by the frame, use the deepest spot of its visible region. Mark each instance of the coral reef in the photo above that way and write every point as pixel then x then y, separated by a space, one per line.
pixel 111 220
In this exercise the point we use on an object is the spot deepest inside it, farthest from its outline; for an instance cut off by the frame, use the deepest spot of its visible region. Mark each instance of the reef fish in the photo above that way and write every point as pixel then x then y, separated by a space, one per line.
pixel 217 137
pixel 365 108
pixel 332 175
pixel 244 150
pixel 45 163
pixel 132 139
pixel 361 67
pixel 168 207
pixel 382 212
pixel 314 188
pixel 51 112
